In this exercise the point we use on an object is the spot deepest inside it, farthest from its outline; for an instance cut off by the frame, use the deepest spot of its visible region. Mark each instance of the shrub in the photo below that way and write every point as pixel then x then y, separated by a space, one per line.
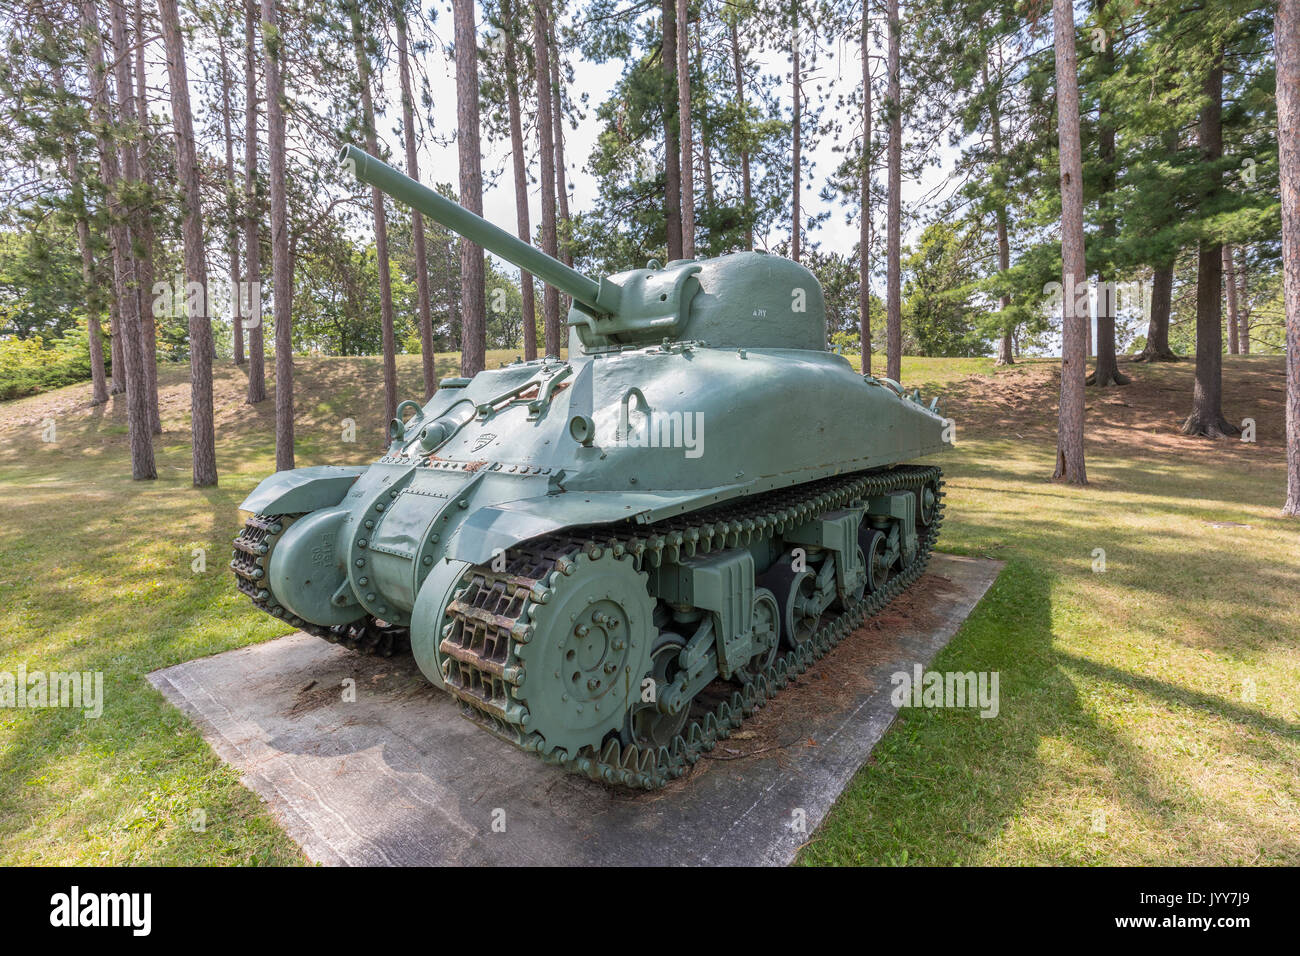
pixel 32 365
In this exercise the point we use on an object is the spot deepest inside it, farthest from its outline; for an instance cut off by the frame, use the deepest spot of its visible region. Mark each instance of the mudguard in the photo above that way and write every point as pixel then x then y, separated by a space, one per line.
pixel 302 489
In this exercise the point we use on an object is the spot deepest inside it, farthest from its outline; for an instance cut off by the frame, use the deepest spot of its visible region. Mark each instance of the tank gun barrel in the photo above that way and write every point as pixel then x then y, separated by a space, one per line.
pixel 475 228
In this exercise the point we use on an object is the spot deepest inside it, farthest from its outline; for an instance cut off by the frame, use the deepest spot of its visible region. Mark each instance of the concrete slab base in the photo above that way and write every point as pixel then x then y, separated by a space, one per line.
pixel 365 763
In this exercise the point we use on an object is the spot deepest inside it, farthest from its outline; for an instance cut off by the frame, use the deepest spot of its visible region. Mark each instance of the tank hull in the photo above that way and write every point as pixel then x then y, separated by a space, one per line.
pixel 676 429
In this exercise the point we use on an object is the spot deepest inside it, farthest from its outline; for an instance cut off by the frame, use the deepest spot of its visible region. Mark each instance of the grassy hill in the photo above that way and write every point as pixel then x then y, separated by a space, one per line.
pixel 1162 692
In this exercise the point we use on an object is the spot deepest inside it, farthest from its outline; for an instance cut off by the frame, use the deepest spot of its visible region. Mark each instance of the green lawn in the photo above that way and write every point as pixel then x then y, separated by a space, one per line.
pixel 1127 691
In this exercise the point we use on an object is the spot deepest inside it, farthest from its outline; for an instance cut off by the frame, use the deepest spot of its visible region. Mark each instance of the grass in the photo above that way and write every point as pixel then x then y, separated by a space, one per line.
pixel 1126 691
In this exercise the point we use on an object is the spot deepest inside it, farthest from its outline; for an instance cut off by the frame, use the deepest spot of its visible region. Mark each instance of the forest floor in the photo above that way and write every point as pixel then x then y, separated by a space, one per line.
pixel 1149 713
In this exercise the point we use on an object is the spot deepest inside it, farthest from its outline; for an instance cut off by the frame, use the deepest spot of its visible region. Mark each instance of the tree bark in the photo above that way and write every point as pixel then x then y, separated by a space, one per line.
pixel 232 204
pixel 281 265
pixel 672 153
pixel 546 153
pixel 137 410
pixel 473 294
pixel 196 270
pixel 380 219
pixel 1230 282
pixel 864 198
pixel 94 301
pixel 1157 346
pixel 893 238
pixel 1287 44
pixel 251 305
pixel 685 135
pixel 746 193
pixel 1070 465
pixel 424 309
pixel 522 219
pixel 1206 418
pixel 796 128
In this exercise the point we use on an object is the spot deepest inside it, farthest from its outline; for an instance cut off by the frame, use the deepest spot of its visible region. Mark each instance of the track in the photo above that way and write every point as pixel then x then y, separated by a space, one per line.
pixel 249 562
pixel 491 619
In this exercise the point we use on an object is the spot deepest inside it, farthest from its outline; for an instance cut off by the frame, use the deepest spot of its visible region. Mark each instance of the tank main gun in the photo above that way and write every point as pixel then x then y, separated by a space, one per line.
pixel 595 296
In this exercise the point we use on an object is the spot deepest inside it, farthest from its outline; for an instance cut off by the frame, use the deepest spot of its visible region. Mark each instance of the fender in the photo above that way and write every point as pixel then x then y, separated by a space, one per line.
pixel 302 489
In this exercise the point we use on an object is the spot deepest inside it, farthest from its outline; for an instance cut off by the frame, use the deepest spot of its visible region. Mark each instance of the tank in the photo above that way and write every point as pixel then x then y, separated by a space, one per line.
pixel 611 559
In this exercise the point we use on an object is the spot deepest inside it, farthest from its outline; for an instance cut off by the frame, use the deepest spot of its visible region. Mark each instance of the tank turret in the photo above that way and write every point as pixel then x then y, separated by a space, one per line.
pixel 610 559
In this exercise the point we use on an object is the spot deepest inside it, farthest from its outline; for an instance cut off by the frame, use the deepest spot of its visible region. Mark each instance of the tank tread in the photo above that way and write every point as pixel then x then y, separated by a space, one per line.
pixel 477 645
pixel 248 561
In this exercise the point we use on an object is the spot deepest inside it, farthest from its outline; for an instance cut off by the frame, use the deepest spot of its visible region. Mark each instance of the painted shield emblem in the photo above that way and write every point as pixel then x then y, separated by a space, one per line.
pixel 484 440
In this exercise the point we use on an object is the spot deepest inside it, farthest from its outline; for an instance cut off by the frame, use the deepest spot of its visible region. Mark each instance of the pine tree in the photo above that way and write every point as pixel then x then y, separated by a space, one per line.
pixel 473 294
pixel 359 33
pixel 281 267
pixel 196 269
pixel 424 308
pixel 1287 41
pixel 1069 437
pixel 128 325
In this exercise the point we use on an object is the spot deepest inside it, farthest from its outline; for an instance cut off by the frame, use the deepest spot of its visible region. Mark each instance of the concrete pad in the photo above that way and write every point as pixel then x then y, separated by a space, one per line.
pixel 397 777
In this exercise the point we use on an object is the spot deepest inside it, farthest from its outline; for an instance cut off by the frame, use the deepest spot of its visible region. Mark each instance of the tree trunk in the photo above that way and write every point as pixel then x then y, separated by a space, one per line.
pixel 131 105
pixel 137 410
pixel 706 144
pixel 473 295
pixel 232 204
pixel 1243 305
pixel 196 270
pixel 1287 44
pixel 1230 281
pixel 1162 290
pixel 894 224
pixel 380 222
pixel 1207 418
pixel 94 300
pixel 1069 435
pixel 251 305
pixel 147 326
pixel 117 381
pixel 745 187
pixel 546 153
pixel 672 153
pixel 424 309
pixel 564 227
pixel 864 198
pixel 685 134
pixel 526 288
pixel 796 128
pixel 1006 349
pixel 281 265
pixel 1107 371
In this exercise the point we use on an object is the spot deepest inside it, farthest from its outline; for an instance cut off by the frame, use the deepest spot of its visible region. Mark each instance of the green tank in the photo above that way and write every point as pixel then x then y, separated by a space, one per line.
pixel 612 559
